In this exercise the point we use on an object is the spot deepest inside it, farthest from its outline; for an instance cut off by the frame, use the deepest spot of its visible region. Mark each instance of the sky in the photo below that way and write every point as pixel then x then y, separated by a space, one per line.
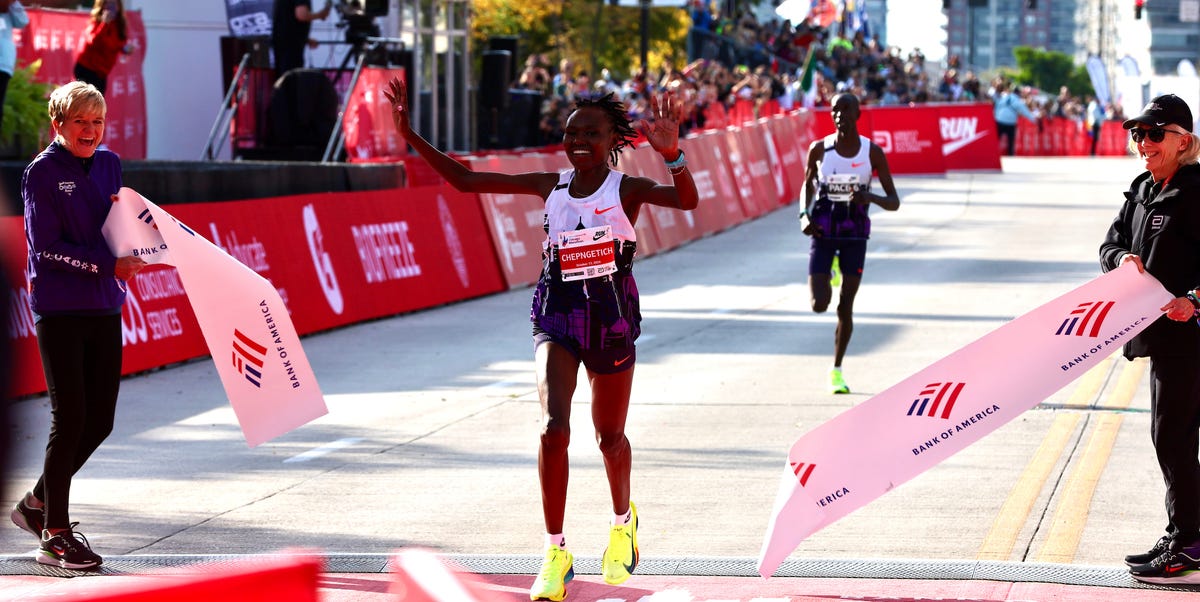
pixel 917 23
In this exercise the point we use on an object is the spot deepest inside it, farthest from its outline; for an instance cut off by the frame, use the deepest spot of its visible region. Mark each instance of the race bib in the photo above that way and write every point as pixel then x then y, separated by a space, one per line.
pixel 587 253
pixel 840 187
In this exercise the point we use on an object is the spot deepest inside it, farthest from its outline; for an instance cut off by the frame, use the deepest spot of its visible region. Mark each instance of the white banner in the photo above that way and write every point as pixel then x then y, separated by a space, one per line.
pixel 248 331
pixel 892 437
pixel 129 229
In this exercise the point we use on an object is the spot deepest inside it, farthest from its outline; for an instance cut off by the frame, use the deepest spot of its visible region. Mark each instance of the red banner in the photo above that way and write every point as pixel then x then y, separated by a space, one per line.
pixel 968 136
pixel 720 201
pixel 910 137
pixel 55 36
pixel 367 121
pixel 784 142
pixel 753 170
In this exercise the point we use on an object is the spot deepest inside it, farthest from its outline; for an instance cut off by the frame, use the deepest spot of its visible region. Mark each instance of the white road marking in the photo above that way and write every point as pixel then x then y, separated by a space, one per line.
pixel 317 452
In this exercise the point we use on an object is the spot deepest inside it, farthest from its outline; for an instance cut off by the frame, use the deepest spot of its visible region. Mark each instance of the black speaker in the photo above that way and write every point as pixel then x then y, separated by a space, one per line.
pixel 302 111
pixel 376 8
pixel 511 44
pixel 494 81
pixel 233 49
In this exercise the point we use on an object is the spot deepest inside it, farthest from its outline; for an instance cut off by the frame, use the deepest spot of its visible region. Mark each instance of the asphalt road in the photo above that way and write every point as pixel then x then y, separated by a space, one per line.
pixel 431 437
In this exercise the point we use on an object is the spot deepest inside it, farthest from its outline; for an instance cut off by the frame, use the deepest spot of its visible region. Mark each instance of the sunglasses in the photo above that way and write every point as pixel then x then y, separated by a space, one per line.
pixel 1154 134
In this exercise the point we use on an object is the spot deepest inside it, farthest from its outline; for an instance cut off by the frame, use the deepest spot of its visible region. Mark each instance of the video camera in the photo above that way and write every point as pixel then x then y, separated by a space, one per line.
pixel 357 17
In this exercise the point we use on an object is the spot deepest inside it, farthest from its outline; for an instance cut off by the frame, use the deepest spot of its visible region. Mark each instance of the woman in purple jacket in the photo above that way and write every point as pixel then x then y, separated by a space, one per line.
pixel 76 291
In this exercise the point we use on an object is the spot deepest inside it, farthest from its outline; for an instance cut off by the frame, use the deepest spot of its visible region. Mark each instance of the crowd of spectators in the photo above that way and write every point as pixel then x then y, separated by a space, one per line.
pixel 743 58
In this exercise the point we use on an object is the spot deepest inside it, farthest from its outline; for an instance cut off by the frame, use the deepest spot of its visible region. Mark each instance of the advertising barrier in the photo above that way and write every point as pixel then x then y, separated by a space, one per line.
pixel 335 259
pixel 910 137
pixel 968 134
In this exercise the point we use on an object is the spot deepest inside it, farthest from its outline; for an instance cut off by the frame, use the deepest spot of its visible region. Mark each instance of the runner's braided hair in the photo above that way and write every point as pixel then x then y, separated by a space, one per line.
pixel 617 116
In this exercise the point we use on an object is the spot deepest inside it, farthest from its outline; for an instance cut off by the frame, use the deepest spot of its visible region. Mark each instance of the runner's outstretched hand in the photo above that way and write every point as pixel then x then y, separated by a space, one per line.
pixel 397 95
pixel 662 129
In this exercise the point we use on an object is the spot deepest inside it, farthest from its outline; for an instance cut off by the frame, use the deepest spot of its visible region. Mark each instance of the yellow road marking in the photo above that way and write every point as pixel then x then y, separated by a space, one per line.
pixel 998 545
pixel 1066 528
pixel 1127 383
pixel 1090 383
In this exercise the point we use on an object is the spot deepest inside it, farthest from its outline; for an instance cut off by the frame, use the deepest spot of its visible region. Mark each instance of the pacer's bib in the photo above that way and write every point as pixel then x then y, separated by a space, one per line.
pixel 587 253
pixel 840 187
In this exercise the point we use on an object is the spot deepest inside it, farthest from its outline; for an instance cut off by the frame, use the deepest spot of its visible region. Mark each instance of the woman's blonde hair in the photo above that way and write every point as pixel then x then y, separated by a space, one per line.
pixel 74 98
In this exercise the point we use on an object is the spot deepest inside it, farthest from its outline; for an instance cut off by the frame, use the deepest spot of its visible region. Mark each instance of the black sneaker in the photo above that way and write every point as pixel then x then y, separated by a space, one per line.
pixel 68 549
pixel 1163 544
pixel 29 519
pixel 1182 566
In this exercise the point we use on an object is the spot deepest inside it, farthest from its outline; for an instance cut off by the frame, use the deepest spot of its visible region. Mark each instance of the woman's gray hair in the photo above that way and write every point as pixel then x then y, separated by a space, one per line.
pixel 1191 154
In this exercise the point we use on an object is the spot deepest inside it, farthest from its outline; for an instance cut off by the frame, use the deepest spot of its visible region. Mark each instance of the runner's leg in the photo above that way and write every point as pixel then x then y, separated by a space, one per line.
pixel 610 408
pixel 557 371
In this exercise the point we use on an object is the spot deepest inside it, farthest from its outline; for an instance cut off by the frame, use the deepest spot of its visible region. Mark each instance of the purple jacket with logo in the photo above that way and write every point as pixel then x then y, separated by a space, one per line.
pixel 71 270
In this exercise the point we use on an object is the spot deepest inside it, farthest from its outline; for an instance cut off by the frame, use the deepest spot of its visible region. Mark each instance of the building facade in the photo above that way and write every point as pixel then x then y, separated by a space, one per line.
pixel 983 33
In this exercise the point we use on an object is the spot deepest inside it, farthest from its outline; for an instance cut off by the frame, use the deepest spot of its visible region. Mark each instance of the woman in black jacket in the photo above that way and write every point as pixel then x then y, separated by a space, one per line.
pixel 1158 230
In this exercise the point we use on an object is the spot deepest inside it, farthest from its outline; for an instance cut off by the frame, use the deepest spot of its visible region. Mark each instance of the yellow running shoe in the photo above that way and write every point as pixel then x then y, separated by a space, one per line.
pixel 835 273
pixel 837 384
pixel 621 555
pixel 557 570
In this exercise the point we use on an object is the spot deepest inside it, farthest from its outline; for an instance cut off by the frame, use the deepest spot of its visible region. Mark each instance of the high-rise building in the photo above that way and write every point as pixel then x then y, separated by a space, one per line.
pixel 983 33
pixel 1174 35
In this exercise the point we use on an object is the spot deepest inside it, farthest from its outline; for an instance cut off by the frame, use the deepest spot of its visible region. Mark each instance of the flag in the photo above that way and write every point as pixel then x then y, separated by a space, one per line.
pixel 866 451
pixel 808 77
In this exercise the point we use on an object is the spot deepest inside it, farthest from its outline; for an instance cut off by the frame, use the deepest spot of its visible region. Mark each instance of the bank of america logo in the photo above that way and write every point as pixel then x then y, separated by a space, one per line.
pixel 1086 319
pixel 145 216
pixel 935 397
pixel 248 357
pixel 803 471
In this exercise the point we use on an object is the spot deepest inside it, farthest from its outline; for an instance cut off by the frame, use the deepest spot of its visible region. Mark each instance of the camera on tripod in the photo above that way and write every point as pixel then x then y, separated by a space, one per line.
pixel 357 17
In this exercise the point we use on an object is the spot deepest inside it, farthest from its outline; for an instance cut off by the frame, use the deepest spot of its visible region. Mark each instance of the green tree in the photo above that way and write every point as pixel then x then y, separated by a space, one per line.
pixel 1049 71
pixel 590 33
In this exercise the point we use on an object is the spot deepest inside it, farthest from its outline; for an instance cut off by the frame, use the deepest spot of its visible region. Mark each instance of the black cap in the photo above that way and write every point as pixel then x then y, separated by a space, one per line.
pixel 1163 110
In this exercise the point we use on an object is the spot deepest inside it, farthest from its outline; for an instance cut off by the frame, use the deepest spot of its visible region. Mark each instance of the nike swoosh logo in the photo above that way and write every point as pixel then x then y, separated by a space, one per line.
pixel 600 211
pixel 860 164
pixel 950 147
pixel 622 360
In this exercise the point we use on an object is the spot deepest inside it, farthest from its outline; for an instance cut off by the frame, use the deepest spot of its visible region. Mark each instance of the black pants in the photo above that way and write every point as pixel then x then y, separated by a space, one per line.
pixel 1009 132
pixel 81 356
pixel 86 75
pixel 4 78
pixel 1175 430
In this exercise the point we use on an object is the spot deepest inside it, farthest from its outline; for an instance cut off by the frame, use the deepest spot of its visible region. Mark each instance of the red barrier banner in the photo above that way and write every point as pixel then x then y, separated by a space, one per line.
pixel 720 202
pixel 1058 136
pixel 748 158
pixel 645 162
pixel 55 36
pixel 1114 140
pixel 514 220
pixel 27 369
pixel 1029 140
pixel 784 141
pixel 370 254
pixel 335 259
pixel 367 119
pixel 910 137
pixel 968 132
